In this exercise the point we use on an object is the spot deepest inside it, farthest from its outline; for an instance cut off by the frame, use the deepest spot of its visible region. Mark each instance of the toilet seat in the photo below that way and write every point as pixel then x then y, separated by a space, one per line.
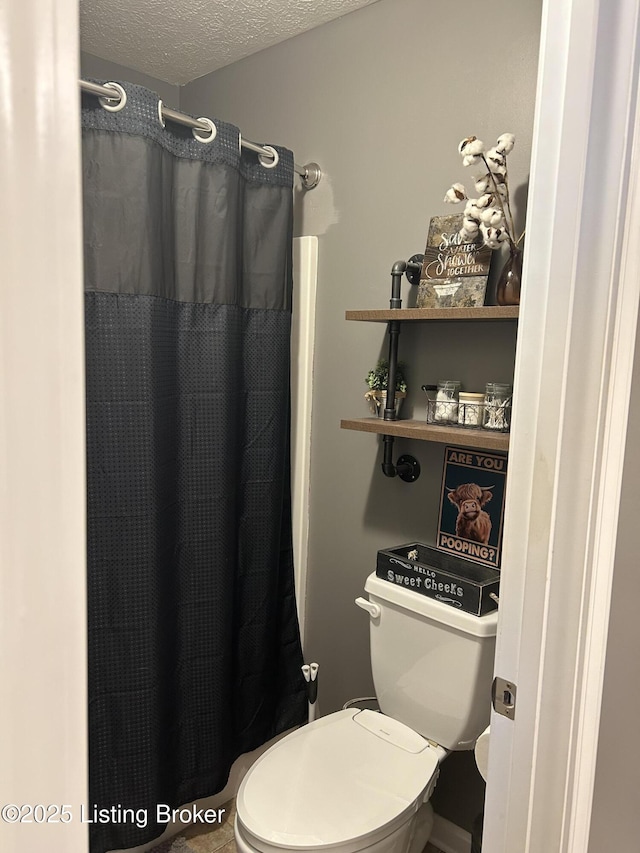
pixel 344 781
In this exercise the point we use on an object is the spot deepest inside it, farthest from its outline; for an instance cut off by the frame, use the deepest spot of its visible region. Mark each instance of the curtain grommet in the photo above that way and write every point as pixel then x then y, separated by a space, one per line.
pixel 108 103
pixel 266 161
pixel 203 136
pixel 160 116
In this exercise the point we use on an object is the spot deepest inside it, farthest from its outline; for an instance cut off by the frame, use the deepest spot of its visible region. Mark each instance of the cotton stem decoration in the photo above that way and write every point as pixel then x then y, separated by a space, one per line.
pixel 490 213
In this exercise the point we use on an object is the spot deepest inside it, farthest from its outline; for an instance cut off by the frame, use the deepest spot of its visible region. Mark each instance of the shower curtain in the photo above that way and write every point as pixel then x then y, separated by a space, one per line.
pixel 194 648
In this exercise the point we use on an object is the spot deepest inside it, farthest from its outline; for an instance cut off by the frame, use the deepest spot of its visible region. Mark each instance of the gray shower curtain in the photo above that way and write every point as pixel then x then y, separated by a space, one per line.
pixel 194 649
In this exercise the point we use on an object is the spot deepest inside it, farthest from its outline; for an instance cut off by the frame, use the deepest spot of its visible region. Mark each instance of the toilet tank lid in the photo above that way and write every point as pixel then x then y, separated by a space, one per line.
pixel 436 611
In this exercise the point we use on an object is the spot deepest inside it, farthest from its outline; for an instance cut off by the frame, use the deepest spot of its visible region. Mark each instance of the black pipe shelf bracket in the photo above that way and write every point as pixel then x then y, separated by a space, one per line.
pixel 407 467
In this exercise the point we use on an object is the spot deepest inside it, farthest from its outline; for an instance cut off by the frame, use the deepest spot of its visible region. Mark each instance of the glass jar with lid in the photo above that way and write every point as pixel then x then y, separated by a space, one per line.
pixel 431 392
pixel 470 409
pixel 446 407
pixel 497 406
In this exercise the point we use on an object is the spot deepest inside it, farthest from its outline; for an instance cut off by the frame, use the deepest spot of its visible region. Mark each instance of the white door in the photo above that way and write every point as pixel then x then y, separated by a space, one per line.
pixel 573 373
pixel 43 697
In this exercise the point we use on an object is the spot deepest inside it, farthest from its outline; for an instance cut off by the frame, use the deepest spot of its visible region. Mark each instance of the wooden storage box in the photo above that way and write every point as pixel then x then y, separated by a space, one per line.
pixel 459 583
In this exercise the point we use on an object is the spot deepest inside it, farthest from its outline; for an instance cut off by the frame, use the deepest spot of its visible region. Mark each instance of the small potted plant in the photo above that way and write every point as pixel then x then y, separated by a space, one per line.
pixel 378 382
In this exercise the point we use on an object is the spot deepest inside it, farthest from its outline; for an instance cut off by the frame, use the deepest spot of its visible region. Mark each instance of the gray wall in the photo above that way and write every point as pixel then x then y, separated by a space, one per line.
pixel 103 69
pixel 380 99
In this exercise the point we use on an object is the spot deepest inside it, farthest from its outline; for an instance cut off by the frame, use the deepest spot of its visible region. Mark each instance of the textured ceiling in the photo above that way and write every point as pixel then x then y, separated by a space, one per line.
pixel 181 40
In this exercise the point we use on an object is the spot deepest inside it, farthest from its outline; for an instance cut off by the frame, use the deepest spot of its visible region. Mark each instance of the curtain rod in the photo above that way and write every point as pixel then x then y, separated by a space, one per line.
pixel 113 98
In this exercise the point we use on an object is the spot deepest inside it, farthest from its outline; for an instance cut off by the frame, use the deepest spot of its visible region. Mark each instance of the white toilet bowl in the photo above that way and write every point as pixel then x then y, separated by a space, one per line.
pixel 351 781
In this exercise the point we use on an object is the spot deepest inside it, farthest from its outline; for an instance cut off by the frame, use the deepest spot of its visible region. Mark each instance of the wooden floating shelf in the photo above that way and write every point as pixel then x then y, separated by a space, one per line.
pixel 422 431
pixel 488 312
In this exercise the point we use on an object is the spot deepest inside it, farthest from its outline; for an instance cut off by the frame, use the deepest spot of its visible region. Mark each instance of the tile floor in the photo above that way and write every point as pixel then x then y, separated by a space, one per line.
pixel 217 839
pixel 200 838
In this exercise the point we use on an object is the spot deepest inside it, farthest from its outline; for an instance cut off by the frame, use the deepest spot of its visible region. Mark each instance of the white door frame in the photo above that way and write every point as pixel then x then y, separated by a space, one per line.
pixel 573 377
pixel 43 696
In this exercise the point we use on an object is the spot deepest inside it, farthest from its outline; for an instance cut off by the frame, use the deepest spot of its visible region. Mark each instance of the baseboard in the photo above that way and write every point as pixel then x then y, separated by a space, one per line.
pixel 448 837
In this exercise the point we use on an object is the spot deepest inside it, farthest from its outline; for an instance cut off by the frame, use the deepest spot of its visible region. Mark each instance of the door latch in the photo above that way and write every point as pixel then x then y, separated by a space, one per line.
pixel 503 697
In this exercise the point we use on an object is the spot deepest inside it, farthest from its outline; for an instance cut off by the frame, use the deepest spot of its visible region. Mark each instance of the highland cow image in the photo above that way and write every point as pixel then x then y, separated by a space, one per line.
pixel 472 505
pixel 472 522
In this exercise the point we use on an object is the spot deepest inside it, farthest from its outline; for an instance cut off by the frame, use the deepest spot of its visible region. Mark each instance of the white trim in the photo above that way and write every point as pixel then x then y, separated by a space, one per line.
pixel 569 430
pixel 448 837
pixel 305 270
pixel 43 740
pixel 597 620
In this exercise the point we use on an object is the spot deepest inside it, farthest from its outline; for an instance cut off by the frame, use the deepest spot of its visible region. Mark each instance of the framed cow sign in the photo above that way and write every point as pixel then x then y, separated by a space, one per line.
pixel 472 505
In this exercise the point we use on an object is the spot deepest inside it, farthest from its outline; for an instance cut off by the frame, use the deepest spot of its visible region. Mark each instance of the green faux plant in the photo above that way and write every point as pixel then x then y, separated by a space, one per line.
pixel 378 378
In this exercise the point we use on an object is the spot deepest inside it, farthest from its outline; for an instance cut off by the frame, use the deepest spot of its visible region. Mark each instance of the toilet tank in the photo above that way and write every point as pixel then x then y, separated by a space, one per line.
pixel 432 664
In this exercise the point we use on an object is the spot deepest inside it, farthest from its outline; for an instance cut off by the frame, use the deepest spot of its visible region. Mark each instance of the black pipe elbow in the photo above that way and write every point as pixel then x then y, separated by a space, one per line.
pixel 389 469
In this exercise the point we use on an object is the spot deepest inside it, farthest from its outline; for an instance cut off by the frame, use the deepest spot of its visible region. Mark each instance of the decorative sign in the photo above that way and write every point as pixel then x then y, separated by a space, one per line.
pixel 454 273
pixel 472 505
pixel 450 580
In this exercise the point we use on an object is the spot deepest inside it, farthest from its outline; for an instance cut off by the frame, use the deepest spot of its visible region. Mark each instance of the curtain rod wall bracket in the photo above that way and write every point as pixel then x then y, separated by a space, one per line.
pixel 310 175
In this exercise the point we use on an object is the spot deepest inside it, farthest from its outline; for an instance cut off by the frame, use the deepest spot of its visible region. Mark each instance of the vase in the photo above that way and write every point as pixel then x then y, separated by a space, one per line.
pixel 377 401
pixel 508 286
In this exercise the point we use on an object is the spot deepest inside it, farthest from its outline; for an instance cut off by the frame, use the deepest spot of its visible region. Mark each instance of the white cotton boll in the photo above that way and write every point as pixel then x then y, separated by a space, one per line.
pixel 498 172
pixel 493 216
pixel 471 226
pixel 467 236
pixel 485 200
pixel 489 236
pixel 497 235
pixel 471 207
pixel 503 192
pixel 506 141
pixel 496 161
pixel 464 142
pixel 470 160
pixel 476 146
pixel 482 184
pixel 455 194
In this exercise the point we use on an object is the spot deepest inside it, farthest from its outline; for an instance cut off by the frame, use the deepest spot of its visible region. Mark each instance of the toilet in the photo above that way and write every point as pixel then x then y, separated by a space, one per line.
pixel 360 780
